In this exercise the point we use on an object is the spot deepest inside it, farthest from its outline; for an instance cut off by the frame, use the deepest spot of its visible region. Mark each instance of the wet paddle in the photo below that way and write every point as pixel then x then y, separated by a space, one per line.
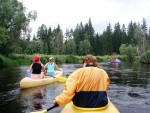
pixel 46 110
pixel 61 78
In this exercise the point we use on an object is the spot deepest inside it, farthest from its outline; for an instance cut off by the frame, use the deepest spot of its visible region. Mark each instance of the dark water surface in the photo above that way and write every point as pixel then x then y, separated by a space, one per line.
pixel 129 89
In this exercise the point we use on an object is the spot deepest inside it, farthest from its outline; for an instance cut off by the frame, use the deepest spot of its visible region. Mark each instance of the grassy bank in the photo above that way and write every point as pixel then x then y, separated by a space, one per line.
pixel 6 62
pixel 23 59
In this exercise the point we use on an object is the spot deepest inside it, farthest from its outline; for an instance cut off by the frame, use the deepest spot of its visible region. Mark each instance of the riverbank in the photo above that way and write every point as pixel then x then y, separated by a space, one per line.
pixel 24 59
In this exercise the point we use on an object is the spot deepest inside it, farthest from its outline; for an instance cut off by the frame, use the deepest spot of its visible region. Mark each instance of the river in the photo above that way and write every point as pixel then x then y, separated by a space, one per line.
pixel 129 89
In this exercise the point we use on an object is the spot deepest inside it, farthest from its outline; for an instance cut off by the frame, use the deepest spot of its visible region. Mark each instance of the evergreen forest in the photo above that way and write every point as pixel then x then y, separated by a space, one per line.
pixel 15 36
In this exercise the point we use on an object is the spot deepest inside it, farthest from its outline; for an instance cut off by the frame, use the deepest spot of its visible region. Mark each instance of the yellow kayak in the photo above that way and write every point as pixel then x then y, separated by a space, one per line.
pixel 70 108
pixel 27 82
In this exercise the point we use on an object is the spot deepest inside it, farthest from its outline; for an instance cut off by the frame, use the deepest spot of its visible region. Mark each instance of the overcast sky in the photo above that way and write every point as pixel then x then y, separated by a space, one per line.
pixel 67 13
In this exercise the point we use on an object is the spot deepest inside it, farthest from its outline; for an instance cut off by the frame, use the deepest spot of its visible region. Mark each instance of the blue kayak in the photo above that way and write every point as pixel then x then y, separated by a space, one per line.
pixel 115 62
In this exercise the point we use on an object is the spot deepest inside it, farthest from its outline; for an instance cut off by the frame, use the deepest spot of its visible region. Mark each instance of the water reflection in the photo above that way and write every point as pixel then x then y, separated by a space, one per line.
pixel 39 98
pixel 69 68
pixel 130 87
pixel 34 96
pixel 131 75
pixel 9 90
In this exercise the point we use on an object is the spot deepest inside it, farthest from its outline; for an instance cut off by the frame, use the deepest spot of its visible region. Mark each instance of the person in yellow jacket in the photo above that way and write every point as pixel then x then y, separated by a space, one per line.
pixel 86 87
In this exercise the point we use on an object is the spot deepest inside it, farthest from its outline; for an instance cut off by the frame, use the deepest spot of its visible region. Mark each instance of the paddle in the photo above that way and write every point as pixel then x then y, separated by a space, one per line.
pixel 61 78
pixel 45 111
pixel 29 74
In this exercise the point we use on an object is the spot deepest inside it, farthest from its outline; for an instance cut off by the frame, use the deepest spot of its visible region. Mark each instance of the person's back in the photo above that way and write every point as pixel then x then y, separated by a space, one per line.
pixel 51 66
pixel 50 69
pixel 86 86
pixel 91 88
pixel 36 68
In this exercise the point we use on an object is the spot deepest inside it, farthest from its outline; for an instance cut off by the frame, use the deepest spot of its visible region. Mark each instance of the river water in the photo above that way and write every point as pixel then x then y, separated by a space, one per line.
pixel 129 89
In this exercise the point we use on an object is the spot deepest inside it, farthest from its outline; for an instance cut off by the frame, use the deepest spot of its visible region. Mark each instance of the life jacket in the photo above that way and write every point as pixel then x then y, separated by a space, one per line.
pixel 86 87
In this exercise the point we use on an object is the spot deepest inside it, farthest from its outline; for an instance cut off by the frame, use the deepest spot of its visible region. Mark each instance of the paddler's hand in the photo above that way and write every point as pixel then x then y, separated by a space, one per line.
pixel 56 104
pixel 60 69
pixel 28 70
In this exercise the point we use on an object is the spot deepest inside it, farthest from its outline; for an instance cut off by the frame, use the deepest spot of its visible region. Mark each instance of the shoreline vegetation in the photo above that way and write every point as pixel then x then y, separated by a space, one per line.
pixel 24 59
pixel 132 40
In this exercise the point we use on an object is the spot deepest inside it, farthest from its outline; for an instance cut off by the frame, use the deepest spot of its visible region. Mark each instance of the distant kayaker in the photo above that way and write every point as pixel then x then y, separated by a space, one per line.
pixel 86 87
pixel 36 69
pixel 115 60
pixel 51 66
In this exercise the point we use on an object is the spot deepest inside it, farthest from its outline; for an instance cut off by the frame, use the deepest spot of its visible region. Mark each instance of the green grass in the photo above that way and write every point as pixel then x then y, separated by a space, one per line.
pixel 6 62
pixel 24 59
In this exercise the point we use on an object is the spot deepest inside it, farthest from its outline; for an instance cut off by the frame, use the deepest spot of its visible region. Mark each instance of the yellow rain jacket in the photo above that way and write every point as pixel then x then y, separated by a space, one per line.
pixel 86 87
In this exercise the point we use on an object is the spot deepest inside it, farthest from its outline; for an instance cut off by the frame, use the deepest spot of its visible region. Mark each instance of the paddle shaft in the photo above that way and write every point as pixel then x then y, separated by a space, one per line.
pixel 54 106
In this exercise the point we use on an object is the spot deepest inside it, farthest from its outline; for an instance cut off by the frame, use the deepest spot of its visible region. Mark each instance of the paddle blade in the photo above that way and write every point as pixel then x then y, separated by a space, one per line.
pixel 44 111
pixel 29 74
pixel 61 79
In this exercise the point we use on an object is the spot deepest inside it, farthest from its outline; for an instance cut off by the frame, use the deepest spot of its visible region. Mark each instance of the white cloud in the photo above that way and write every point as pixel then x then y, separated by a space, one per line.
pixel 67 13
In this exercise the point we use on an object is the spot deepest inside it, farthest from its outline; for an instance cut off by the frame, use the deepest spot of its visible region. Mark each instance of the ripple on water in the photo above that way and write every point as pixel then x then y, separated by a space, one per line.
pixel 129 96
pixel 8 96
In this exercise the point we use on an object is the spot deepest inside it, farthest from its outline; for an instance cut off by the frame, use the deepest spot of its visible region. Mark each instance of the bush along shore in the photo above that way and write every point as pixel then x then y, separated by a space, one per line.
pixel 24 59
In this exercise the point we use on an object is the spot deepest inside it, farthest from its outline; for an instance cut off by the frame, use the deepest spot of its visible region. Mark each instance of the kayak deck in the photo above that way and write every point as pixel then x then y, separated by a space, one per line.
pixel 70 109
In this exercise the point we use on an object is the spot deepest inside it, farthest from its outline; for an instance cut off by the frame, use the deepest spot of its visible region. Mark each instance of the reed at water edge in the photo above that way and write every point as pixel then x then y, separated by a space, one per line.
pixel 24 59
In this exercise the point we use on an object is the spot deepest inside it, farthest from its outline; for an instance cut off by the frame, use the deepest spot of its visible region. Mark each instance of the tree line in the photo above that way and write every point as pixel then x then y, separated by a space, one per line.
pixel 119 39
